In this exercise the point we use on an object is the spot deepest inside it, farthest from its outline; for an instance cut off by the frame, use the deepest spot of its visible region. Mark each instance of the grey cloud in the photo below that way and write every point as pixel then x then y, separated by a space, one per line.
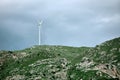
pixel 74 22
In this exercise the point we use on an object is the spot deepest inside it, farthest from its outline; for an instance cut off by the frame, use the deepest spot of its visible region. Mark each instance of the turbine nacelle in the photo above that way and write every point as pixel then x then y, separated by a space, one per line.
pixel 40 23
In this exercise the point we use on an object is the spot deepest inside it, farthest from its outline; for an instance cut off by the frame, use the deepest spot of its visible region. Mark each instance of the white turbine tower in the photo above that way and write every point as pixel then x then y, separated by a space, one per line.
pixel 40 33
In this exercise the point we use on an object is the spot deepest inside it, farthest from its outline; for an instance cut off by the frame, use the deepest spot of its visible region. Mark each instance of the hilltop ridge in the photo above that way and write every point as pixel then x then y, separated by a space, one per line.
pixel 101 62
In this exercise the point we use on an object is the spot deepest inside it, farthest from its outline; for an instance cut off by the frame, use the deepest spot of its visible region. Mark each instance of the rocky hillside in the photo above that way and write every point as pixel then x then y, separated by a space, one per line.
pixel 62 63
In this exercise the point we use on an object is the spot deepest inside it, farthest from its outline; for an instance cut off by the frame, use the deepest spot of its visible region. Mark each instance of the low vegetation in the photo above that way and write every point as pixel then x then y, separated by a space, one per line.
pixel 62 62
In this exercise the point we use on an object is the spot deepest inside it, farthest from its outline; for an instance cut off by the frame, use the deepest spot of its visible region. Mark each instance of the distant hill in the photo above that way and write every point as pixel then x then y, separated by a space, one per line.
pixel 47 62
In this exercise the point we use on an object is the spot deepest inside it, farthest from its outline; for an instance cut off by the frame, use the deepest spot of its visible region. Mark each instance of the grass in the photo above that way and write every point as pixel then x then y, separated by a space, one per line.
pixel 50 60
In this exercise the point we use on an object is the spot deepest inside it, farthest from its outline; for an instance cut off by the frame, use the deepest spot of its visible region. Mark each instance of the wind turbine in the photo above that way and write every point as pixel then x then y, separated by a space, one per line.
pixel 40 32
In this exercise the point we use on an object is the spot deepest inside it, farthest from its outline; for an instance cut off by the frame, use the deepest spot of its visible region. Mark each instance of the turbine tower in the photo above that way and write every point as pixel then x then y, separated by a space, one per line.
pixel 40 32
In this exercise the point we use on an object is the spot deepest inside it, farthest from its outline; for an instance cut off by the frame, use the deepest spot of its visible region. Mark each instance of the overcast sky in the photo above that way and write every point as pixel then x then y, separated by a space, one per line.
pixel 65 22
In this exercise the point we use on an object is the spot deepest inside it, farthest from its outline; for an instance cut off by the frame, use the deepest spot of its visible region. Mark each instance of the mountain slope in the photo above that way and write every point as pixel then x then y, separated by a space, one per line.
pixel 99 63
pixel 62 63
